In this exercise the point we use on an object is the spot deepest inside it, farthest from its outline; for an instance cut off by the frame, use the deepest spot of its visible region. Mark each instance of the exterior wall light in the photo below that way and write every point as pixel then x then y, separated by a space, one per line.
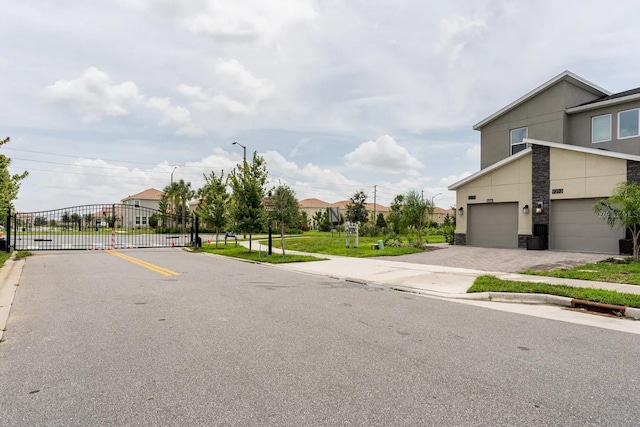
pixel 525 209
pixel 539 208
pixel 460 211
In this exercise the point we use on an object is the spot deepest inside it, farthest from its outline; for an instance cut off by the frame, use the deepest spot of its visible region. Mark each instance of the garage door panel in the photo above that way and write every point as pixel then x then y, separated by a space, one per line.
pixel 493 225
pixel 574 227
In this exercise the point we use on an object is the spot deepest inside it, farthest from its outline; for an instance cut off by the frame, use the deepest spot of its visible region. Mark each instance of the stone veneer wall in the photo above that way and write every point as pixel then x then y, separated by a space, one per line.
pixel 522 240
pixel 633 171
pixel 540 183
pixel 460 239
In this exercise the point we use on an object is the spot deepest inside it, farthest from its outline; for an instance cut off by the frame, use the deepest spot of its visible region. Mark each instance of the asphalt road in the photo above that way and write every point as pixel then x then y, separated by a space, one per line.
pixel 95 339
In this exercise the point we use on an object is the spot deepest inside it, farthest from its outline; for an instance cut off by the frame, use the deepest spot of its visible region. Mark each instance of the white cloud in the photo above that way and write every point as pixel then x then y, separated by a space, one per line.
pixel 94 94
pixel 254 20
pixel 473 153
pixel 383 154
pixel 174 115
pixel 456 32
pixel 236 92
pixel 448 180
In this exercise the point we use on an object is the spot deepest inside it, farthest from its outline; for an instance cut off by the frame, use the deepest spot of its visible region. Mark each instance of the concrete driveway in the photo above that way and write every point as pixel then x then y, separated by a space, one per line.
pixel 493 259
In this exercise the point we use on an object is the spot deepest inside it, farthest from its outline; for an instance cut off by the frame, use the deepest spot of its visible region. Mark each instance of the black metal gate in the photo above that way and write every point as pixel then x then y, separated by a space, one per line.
pixel 95 227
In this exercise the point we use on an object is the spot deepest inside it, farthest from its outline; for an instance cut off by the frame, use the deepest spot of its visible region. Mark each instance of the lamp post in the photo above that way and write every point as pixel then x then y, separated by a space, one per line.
pixel 174 169
pixel 433 206
pixel 244 150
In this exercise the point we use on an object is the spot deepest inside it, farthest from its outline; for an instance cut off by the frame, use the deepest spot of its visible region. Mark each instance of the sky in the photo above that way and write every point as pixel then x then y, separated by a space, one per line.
pixel 107 98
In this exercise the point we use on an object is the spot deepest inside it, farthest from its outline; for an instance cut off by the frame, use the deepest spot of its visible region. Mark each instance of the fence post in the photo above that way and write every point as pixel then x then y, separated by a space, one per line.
pixel 198 244
pixel 7 229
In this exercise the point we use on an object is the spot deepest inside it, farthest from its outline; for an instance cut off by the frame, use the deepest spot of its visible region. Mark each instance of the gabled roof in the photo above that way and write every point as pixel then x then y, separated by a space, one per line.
pixel 313 203
pixel 565 75
pixel 148 194
pixel 526 151
pixel 616 98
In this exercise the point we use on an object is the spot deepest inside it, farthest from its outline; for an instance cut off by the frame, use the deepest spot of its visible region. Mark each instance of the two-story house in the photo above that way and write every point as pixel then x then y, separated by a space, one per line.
pixel 546 159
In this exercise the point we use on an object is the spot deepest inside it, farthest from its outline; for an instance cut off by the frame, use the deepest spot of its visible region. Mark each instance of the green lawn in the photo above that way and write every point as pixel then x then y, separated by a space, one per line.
pixel 241 252
pixel 490 283
pixel 324 243
pixel 609 271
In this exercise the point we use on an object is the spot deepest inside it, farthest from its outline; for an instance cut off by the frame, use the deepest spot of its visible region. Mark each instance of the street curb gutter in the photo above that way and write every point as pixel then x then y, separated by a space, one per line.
pixel 527 298
pixel 9 277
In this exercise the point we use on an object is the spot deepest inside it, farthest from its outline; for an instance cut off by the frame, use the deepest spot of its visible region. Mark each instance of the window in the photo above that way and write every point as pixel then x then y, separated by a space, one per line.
pixel 517 136
pixel 144 220
pixel 601 128
pixel 628 122
pixel 136 203
pixel 137 220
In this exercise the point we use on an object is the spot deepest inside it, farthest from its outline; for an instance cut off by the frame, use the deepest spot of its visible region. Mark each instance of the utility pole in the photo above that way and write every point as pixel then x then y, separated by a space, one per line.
pixel 375 218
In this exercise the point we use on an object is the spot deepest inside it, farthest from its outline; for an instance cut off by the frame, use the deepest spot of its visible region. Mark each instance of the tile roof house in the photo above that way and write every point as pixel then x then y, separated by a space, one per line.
pixel 546 159
pixel 143 206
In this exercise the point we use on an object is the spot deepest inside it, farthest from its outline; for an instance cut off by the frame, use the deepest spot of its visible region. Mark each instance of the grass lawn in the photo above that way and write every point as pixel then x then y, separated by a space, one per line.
pixel 324 243
pixel 607 271
pixel 241 252
pixel 489 283
pixel 4 256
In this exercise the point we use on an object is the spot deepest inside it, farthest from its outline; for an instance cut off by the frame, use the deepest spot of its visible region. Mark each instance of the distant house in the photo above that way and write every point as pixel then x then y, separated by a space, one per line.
pixel 143 206
pixel 312 206
pixel 440 214
pixel 149 198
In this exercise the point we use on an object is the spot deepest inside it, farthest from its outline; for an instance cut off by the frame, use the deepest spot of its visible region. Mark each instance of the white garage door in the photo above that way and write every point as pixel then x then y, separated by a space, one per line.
pixel 494 225
pixel 574 227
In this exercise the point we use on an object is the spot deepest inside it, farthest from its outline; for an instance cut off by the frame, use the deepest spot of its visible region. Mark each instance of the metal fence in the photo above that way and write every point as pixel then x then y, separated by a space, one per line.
pixel 114 226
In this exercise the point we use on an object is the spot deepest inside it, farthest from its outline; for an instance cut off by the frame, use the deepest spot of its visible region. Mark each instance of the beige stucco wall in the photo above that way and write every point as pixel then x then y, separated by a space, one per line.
pixel 582 175
pixel 510 183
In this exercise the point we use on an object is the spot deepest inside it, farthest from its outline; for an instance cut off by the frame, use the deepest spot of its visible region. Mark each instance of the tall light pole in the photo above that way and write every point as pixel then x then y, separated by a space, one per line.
pixel 174 169
pixel 433 206
pixel 244 150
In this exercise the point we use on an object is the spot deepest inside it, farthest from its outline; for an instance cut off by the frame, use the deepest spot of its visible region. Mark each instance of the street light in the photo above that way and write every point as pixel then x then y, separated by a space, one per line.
pixel 244 150
pixel 174 169
pixel 433 206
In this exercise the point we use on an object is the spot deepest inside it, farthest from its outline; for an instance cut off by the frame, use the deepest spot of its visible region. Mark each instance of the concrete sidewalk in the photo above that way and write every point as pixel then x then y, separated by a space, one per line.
pixel 436 280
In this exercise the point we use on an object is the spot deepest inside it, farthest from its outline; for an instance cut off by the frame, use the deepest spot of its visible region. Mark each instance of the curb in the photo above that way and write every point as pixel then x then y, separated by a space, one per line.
pixel 526 298
pixel 9 278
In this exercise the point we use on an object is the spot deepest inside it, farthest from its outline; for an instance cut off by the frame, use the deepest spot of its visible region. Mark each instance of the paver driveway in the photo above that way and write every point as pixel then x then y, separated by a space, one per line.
pixel 493 259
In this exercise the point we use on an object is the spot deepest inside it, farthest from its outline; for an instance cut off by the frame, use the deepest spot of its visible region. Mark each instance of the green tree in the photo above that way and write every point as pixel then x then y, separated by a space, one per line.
pixel 39 221
pixel 76 219
pixel 448 228
pixel 380 221
pixel 88 220
pixel 283 210
pixel 213 202
pixel 248 192
pixel 9 184
pixel 66 218
pixel 177 195
pixel 395 214
pixel 325 221
pixel 622 210
pixel 356 209
pixel 153 220
pixel 304 221
pixel 317 219
pixel 416 212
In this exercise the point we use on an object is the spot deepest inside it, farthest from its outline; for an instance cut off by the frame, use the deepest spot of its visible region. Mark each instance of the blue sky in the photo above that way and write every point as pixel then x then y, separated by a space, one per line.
pixel 103 99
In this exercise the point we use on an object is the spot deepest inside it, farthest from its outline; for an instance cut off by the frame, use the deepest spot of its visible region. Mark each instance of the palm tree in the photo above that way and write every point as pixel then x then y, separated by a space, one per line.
pixel 177 195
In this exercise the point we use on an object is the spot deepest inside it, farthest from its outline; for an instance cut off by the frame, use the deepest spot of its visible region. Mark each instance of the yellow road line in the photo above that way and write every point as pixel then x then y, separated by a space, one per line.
pixel 153 267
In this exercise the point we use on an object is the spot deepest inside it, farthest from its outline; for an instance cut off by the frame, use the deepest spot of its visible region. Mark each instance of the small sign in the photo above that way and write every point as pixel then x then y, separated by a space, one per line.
pixel 557 191
pixel 471 197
